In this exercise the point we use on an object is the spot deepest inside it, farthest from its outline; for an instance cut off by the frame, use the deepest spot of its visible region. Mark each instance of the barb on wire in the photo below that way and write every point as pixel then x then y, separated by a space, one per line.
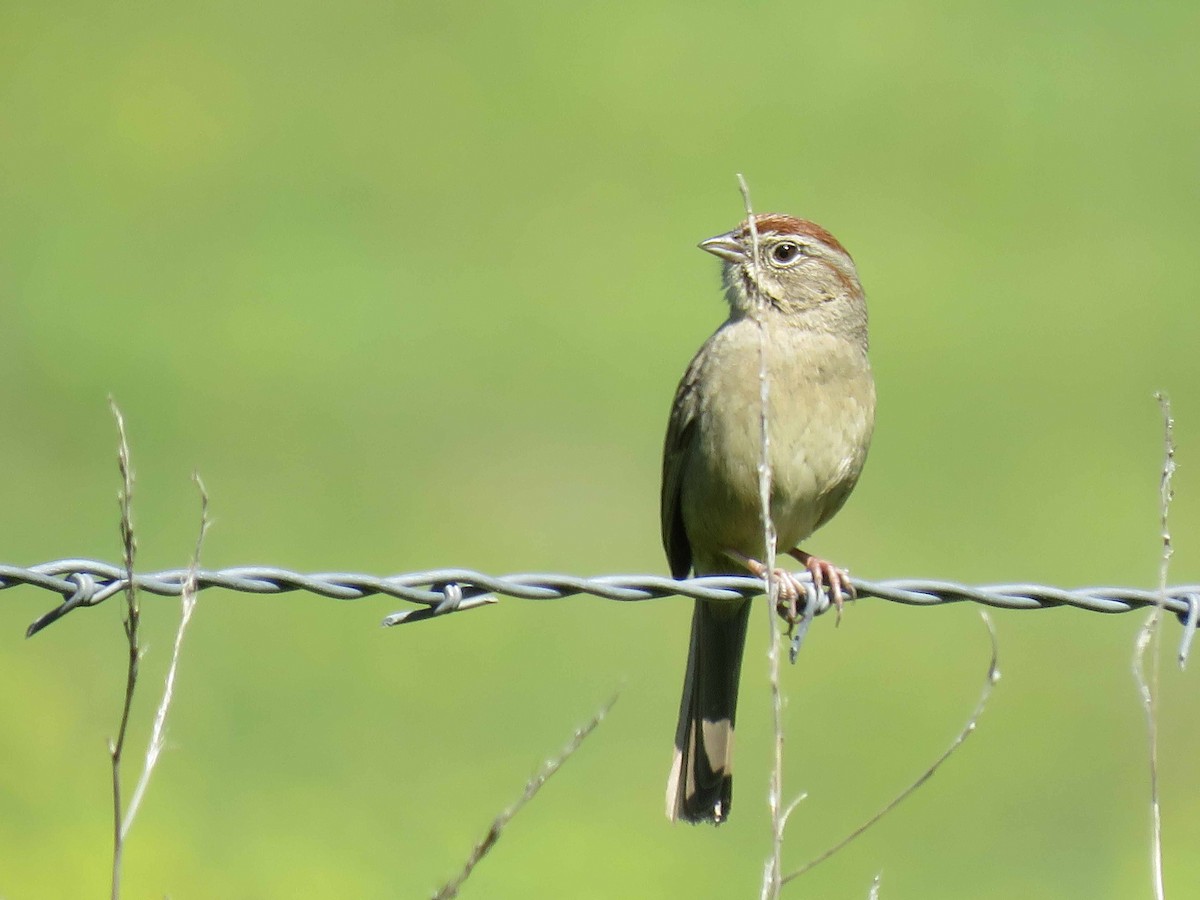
pixel 87 582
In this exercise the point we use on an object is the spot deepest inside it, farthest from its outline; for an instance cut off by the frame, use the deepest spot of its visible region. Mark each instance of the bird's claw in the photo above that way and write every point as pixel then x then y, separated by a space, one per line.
pixel 790 590
pixel 825 573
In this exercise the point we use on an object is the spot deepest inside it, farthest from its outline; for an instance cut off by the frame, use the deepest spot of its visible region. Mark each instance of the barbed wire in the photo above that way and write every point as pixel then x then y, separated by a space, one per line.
pixel 438 592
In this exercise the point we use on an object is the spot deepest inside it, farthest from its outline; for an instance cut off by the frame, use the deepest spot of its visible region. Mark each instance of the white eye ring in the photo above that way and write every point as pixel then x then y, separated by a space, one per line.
pixel 785 253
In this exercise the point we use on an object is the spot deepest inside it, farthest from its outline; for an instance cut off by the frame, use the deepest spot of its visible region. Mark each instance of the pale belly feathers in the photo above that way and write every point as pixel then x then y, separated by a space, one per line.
pixel 820 417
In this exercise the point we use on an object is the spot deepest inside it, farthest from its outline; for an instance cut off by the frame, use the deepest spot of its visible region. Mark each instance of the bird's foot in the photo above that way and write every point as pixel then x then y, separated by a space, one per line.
pixel 826 573
pixel 791 589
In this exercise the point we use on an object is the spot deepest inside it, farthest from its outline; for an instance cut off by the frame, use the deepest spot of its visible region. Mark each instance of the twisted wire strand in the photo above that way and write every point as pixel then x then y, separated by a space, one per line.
pixel 86 582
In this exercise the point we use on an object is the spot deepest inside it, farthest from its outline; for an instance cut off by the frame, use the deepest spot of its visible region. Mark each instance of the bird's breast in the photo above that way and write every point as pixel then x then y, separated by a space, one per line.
pixel 820 414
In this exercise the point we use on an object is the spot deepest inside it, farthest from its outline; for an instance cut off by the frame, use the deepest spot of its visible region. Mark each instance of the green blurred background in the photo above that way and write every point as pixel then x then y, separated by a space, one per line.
pixel 411 285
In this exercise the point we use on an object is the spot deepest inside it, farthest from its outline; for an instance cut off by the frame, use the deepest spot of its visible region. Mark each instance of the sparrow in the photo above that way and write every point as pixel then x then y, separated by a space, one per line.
pixel 794 298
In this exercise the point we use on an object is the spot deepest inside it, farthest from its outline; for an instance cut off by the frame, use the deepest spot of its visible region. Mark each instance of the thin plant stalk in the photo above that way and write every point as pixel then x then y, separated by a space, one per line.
pixel 187 607
pixel 132 619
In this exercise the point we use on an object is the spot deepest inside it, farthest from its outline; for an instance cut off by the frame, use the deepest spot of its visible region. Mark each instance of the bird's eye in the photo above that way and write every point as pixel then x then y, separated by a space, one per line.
pixel 785 252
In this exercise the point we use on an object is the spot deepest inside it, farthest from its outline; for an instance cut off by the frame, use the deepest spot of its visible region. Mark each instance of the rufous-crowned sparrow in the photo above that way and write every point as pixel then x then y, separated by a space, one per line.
pixel 799 303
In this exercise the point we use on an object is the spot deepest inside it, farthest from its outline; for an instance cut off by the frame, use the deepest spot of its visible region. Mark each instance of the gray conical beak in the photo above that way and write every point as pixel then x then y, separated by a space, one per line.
pixel 725 246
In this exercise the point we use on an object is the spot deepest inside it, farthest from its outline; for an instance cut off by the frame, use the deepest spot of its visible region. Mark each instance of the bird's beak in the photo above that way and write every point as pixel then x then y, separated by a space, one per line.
pixel 725 246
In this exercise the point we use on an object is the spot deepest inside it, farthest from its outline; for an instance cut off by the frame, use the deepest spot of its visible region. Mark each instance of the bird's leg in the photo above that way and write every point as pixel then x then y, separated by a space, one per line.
pixel 824 572
pixel 790 587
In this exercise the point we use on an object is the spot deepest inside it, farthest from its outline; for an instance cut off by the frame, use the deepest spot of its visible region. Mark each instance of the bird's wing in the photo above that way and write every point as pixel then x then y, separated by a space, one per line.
pixel 681 431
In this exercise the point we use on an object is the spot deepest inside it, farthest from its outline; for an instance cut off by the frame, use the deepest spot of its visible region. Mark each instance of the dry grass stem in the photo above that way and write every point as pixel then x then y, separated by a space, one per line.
pixel 116 746
pixel 993 675
pixel 773 868
pixel 549 768
pixel 187 607
pixel 1148 641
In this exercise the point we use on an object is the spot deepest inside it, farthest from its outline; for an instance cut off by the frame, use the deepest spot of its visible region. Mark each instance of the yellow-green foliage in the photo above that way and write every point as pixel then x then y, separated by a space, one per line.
pixel 411 285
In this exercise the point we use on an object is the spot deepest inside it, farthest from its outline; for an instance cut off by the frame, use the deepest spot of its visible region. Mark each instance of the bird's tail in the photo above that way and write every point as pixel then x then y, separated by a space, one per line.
pixel 700 787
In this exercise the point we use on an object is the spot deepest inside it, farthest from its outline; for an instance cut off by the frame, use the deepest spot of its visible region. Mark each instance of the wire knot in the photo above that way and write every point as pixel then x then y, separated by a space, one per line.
pixel 454 598
pixel 453 594
pixel 87 592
